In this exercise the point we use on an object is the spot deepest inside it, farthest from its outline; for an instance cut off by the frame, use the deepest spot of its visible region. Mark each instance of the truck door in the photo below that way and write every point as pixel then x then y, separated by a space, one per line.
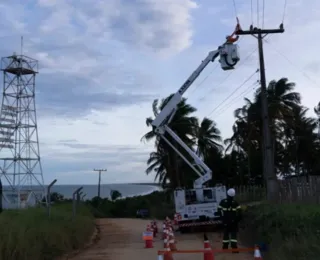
pixel 179 201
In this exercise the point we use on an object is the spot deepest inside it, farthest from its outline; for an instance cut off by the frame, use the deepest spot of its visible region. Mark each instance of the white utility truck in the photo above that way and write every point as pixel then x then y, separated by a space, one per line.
pixel 199 205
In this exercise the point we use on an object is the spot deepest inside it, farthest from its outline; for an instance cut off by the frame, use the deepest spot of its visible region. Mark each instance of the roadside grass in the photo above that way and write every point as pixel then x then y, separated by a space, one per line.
pixel 31 234
pixel 292 231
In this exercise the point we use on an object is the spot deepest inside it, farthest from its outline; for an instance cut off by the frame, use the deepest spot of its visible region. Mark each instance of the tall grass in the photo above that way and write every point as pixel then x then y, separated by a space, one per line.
pixel 291 230
pixel 30 234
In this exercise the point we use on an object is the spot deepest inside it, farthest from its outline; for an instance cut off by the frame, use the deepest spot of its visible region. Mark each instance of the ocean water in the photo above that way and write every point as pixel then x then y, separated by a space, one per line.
pixel 127 190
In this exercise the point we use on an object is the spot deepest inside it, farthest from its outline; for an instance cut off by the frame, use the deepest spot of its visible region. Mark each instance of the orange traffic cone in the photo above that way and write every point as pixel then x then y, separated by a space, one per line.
pixel 257 254
pixel 155 228
pixel 172 243
pixel 152 230
pixel 163 230
pixel 148 242
pixel 167 254
pixel 206 244
pixel 166 238
pixel 175 219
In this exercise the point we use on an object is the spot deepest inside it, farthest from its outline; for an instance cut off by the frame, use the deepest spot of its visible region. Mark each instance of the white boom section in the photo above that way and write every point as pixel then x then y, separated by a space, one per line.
pixel 228 58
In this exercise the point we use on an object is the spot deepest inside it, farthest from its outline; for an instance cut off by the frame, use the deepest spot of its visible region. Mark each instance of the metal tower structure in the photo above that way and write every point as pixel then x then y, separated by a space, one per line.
pixel 20 170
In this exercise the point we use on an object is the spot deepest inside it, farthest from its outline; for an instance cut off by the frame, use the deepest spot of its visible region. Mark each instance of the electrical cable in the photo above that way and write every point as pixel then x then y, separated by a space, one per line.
pixel 252 12
pixel 249 89
pixel 235 8
pixel 263 8
pixel 284 10
pixel 205 78
pixel 240 86
pixel 294 65
pixel 258 14
pixel 229 74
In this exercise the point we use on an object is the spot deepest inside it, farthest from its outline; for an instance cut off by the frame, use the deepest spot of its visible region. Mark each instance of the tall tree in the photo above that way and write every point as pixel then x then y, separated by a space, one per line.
pixel 208 137
pixel 183 124
pixel 295 141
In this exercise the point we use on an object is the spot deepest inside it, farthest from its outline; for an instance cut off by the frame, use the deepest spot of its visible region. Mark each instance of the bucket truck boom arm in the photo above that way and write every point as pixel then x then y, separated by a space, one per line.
pixel 229 57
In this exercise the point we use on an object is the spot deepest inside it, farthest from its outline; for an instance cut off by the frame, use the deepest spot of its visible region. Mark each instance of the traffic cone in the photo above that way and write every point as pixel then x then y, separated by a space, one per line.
pixel 148 242
pixel 167 254
pixel 166 238
pixel 148 229
pixel 168 222
pixel 172 243
pixel 257 254
pixel 206 244
pixel 164 230
pixel 155 226
pixel 152 230
pixel 175 219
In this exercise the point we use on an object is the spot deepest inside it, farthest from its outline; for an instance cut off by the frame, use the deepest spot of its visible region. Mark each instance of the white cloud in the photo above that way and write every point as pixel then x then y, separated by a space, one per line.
pixel 95 56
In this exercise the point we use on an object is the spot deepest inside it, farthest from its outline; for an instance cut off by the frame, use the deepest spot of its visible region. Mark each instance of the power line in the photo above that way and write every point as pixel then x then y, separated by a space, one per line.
pixel 230 73
pixel 252 12
pixel 284 10
pixel 263 7
pixel 258 12
pixel 294 65
pixel 233 92
pixel 204 79
pixel 235 8
pixel 237 98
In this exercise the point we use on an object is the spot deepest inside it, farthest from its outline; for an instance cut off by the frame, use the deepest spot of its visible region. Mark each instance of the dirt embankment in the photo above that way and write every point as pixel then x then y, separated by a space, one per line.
pixel 120 239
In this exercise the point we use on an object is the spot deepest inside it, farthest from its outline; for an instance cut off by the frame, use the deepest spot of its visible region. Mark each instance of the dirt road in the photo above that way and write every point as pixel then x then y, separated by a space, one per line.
pixel 120 239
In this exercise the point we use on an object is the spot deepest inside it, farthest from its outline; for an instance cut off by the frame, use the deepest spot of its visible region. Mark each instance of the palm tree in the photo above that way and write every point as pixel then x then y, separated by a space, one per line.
pixel 183 124
pixel 317 111
pixel 208 137
pixel 158 162
pixel 300 137
pixel 247 136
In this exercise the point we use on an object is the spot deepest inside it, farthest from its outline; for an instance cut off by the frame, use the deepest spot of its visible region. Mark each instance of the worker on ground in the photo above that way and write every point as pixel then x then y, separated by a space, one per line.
pixel 230 212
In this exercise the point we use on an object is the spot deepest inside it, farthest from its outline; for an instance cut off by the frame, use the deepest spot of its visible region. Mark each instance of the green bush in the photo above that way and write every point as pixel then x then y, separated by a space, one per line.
pixel 158 203
pixel 291 230
pixel 30 234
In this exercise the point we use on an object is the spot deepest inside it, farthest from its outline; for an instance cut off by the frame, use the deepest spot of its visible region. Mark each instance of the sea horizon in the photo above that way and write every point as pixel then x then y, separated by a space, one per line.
pixel 91 190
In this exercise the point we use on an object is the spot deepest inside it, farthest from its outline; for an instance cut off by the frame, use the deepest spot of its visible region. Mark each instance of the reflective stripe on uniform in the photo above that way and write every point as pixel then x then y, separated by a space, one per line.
pixel 234 240
pixel 231 209
pixel 225 241
pixel 220 207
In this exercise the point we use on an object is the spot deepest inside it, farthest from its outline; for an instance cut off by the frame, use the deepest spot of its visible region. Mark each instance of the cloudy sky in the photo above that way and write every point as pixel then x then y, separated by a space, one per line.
pixel 102 62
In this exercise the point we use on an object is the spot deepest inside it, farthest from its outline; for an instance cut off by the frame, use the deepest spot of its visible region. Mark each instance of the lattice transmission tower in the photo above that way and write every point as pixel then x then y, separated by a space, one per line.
pixel 20 165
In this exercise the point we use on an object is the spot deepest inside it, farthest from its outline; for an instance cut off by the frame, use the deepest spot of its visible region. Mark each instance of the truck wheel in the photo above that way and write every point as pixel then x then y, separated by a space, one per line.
pixel 182 230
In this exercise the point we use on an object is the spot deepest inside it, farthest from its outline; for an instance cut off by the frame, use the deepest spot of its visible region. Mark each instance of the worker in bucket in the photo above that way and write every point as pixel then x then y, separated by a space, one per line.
pixel 229 211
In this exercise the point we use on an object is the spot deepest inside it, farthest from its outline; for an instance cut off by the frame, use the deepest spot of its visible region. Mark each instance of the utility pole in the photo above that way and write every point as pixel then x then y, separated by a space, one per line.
pixel 99 183
pixel 268 153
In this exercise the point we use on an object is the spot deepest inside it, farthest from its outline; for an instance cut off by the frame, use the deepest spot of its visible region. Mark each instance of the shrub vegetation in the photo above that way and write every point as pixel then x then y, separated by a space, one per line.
pixel 290 230
pixel 159 204
pixel 31 234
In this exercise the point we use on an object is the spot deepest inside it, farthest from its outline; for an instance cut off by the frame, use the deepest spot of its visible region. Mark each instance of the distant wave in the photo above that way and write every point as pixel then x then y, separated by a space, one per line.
pixel 152 189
